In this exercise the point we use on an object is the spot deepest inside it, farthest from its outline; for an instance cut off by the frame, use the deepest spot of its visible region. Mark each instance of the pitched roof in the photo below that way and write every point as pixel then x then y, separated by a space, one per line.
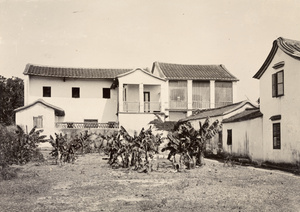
pixel 58 111
pixel 142 70
pixel 201 72
pixel 288 46
pixel 86 73
pixel 248 114
pixel 213 112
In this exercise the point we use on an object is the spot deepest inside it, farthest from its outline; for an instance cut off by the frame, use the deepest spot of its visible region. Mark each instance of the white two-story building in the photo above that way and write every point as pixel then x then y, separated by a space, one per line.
pixel 59 97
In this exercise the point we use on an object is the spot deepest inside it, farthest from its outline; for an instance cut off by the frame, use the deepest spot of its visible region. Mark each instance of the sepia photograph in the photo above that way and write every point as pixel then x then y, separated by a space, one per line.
pixel 138 105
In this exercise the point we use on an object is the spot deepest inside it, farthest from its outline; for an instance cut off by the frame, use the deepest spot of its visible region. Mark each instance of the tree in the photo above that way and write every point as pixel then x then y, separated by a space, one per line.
pixel 11 97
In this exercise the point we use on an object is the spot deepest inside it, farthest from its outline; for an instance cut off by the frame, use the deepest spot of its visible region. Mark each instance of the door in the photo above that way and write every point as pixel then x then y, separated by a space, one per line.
pixel 147 102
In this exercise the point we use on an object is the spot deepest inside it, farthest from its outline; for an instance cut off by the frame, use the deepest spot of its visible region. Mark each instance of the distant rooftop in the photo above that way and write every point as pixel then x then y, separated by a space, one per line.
pixel 248 114
pixel 201 72
pixel 87 73
pixel 214 112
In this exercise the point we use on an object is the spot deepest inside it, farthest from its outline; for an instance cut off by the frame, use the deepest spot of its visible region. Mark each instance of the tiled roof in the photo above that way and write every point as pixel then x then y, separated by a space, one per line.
pixel 290 47
pixel 213 112
pixel 201 72
pixel 248 114
pixel 86 73
pixel 58 111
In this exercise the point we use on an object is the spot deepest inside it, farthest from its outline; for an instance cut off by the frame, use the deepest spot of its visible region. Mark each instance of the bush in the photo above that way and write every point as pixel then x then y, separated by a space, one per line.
pixel 18 147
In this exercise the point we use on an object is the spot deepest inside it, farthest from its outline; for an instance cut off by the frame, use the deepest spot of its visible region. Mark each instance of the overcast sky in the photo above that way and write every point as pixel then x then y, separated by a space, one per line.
pixel 135 33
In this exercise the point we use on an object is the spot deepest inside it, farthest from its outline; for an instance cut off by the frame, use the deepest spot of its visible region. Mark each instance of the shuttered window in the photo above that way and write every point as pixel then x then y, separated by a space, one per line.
pixel 278 84
pixel 201 94
pixel 38 121
pixel 223 93
pixel 276 136
pixel 178 90
pixel 178 94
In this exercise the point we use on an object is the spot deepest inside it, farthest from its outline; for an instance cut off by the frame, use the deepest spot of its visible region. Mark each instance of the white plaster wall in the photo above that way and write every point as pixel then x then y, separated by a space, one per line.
pixel 287 106
pixel 25 118
pixel 90 105
pixel 246 139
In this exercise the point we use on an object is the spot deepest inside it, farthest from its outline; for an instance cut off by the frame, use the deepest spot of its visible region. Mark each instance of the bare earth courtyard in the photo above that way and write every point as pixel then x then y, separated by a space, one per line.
pixel 90 184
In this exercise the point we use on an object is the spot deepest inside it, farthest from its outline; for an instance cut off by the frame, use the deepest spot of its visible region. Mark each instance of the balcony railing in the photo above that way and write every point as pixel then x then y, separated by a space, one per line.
pixel 149 107
pixel 82 125
pixel 131 106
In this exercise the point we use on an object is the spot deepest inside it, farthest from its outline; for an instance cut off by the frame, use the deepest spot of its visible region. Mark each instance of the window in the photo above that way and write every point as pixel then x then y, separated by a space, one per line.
pixel 229 137
pixel 38 121
pixel 223 93
pixel 106 93
pixel 75 92
pixel 276 136
pixel 278 84
pixel 178 90
pixel 46 91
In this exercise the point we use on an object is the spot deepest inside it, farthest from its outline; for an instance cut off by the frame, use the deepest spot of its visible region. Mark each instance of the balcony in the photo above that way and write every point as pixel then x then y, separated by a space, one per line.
pixel 149 107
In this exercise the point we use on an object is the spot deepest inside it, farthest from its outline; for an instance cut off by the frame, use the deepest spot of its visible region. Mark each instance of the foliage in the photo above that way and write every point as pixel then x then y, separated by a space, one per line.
pixel 163 125
pixel 64 149
pixel 189 143
pixel 11 97
pixel 137 151
pixel 18 147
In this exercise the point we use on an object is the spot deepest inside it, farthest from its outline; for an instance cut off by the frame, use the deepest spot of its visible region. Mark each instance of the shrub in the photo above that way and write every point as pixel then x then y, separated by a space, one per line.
pixel 18 147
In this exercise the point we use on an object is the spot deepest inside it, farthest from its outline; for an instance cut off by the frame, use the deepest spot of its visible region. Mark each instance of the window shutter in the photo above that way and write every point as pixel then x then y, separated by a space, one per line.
pixel 274 85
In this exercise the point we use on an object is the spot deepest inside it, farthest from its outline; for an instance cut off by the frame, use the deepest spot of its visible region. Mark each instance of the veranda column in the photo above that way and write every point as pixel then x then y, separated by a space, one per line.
pixel 189 97
pixel 141 97
pixel 120 100
pixel 212 94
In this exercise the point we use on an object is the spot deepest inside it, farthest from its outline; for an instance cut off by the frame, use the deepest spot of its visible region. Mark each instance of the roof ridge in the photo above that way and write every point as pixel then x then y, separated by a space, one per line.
pixel 217 64
pixel 69 67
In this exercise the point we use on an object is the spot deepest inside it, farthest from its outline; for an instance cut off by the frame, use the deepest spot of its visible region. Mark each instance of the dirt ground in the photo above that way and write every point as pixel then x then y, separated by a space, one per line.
pixel 90 184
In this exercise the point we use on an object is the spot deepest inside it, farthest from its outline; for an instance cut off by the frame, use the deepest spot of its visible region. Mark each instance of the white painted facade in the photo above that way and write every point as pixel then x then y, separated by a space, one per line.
pixel 90 104
pixel 246 139
pixel 287 106
pixel 219 138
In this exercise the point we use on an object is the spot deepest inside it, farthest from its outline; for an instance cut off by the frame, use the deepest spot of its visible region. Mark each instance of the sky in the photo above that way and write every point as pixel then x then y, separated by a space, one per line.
pixel 135 33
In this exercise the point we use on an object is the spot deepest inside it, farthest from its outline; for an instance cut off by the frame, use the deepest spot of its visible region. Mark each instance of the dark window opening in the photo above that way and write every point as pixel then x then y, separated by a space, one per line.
pixel 46 91
pixel 276 136
pixel 106 93
pixel 75 92
pixel 278 84
pixel 229 137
